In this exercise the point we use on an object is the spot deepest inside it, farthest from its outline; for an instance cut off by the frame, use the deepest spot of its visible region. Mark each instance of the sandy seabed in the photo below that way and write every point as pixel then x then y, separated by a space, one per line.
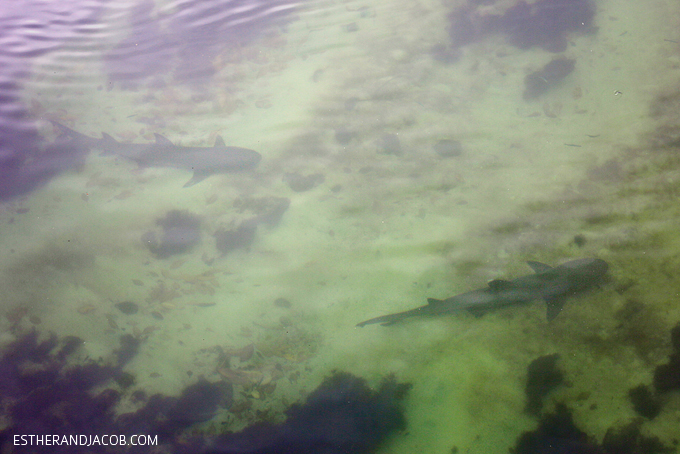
pixel 593 157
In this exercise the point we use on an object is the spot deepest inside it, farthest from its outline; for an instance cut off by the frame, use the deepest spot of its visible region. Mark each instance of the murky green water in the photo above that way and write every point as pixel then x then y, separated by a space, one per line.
pixel 396 165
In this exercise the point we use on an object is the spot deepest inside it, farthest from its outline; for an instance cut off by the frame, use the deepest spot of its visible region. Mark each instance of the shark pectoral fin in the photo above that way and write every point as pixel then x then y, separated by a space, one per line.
pixel 160 140
pixel 434 301
pixel 219 142
pixel 555 306
pixel 500 284
pixel 197 178
pixel 539 267
pixel 477 312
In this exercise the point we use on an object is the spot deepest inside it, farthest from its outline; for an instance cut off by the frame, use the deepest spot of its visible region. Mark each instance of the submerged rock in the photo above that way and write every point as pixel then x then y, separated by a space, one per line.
pixel 667 376
pixel 241 237
pixel 181 231
pixel 389 144
pixel 543 23
pixel 57 396
pixel 543 80
pixel 127 307
pixel 645 403
pixel 343 415
pixel 448 148
pixel 302 183
pixel 542 377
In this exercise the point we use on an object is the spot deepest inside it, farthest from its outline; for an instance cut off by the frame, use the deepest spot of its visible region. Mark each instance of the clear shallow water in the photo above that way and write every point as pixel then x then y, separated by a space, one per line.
pixel 400 160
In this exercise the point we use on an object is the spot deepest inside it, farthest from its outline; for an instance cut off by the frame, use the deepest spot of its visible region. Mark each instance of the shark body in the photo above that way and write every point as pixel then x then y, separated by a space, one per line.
pixel 203 161
pixel 550 284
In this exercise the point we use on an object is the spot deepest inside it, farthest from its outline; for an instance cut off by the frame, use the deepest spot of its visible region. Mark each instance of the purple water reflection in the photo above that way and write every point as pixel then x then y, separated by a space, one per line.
pixel 181 41
pixel 28 29
pixel 186 42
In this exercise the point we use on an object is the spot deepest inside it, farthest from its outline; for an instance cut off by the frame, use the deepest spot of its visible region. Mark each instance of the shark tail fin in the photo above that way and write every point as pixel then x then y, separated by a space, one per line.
pixel 555 306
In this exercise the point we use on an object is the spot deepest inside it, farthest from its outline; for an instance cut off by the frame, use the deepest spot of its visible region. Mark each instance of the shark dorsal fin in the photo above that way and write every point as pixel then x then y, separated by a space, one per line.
pixel 539 267
pixel 160 140
pixel 434 301
pixel 219 142
pixel 106 137
pixel 500 284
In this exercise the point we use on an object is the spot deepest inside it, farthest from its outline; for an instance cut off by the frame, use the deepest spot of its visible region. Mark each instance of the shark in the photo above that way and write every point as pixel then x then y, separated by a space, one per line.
pixel 203 161
pixel 550 284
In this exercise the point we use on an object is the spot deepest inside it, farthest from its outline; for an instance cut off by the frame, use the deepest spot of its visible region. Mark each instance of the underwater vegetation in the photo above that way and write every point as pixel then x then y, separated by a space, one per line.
pixel 43 393
pixel 558 434
pixel 667 376
pixel 542 376
pixel 343 415
pixel 545 23
pixel 649 403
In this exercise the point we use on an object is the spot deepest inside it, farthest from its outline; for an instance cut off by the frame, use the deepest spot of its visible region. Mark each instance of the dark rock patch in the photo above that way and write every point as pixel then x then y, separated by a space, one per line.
pixel 129 346
pixel 667 376
pixel 645 403
pixel 283 303
pixel 448 148
pixel 267 210
pixel 241 237
pixel 343 415
pixel 548 77
pixel 181 231
pixel 127 307
pixel 544 23
pixel 273 214
pixel 542 377
pixel 55 396
pixel 628 439
pixel 351 103
pixel 389 144
pixel 343 136
pixel 580 240
pixel 556 433
pixel 302 183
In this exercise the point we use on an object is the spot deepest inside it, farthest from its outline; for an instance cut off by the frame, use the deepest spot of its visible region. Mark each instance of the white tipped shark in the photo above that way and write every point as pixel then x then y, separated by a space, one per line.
pixel 203 161
pixel 552 285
